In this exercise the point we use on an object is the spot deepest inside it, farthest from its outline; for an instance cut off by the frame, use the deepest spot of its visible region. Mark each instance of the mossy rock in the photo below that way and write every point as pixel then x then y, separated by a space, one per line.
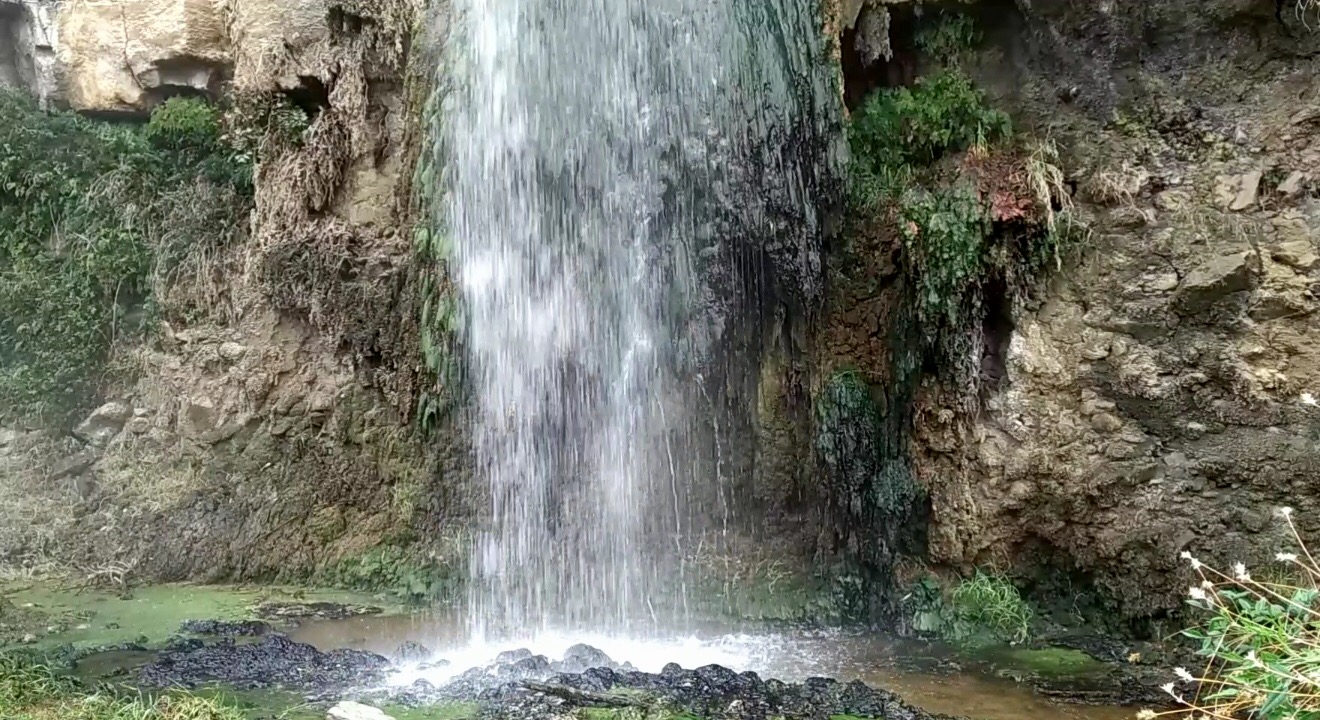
pixel 1050 662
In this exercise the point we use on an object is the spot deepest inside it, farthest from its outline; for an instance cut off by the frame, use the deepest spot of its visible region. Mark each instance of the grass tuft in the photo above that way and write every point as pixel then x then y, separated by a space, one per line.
pixel 1260 640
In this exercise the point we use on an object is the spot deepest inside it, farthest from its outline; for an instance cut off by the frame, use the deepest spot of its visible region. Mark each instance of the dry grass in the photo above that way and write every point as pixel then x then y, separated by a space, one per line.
pixel 1116 185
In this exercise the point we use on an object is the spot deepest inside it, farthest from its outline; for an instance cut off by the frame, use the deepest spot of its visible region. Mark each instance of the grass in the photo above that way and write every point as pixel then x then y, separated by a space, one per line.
pixel 987 606
pixel 1260 638
pixel 30 691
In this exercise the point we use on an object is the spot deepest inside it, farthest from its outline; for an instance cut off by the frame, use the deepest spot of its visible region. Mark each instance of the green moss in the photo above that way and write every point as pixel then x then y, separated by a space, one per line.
pixel 94 215
pixel 633 713
pixel 95 618
pixel 398 571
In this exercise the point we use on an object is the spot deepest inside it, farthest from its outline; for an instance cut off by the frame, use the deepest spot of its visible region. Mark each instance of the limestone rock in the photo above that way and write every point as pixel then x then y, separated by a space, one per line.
pixel 1292 184
pixel 1248 186
pixel 232 351
pixel 104 423
pixel 27 47
pixel 1296 254
pixel 1216 279
pixel 125 55
pixel 348 710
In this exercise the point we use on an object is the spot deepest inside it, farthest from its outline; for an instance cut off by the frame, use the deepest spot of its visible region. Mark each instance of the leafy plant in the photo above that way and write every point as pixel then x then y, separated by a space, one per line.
pixel 397 571
pixel 944 237
pixel 987 606
pixel 915 126
pixel 1261 641
pixel 93 214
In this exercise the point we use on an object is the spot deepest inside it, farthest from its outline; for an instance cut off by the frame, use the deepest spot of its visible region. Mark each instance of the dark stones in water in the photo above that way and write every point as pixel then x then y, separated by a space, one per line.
pixel 248 628
pixel 412 652
pixel 522 685
pixel 274 661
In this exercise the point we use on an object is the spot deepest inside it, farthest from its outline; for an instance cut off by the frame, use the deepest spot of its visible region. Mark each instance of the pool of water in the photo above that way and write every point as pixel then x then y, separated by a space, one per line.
pixel 926 675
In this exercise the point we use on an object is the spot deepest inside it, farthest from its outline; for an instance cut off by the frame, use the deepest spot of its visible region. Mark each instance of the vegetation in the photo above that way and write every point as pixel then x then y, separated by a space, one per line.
pixel 30 691
pixel 984 609
pixel 989 606
pixel 441 323
pixel 398 571
pixel 1261 641
pixel 97 216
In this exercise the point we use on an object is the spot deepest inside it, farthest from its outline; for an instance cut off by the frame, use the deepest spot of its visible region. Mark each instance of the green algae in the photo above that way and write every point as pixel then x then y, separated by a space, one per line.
pixel 1052 662
pixel 96 618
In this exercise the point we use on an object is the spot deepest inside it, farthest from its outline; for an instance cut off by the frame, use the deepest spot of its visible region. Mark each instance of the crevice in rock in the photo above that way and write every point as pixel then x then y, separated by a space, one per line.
pixel 870 62
pixel 996 332
pixel 310 95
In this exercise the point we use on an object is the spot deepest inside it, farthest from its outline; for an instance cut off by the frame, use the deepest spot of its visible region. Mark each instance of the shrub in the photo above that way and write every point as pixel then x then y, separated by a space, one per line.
pixel 91 214
pixel 1261 641
pixel 898 129
pixel 986 607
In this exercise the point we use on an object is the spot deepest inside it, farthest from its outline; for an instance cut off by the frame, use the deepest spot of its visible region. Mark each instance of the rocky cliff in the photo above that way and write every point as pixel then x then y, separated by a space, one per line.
pixel 263 428
pixel 1155 391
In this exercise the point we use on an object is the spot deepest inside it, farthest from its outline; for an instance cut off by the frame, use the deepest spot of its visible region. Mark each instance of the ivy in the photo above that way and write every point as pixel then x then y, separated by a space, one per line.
pixel 91 214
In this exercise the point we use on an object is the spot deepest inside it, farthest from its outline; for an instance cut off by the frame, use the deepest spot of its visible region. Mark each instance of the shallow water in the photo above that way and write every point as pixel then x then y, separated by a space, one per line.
pixel 904 667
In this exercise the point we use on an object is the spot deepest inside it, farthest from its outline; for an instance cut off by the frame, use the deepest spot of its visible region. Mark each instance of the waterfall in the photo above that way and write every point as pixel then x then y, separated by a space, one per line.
pixel 596 156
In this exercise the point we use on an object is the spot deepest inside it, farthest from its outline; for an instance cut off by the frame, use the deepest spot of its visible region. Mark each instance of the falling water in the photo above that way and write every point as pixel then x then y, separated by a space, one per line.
pixel 580 138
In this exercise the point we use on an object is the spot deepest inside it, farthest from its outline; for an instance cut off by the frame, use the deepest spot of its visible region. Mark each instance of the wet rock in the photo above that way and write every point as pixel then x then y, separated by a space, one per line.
pixel 245 628
pixel 274 661
pixel 104 423
pixel 512 656
pixel 348 710
pixel 412 652
pixel 581 657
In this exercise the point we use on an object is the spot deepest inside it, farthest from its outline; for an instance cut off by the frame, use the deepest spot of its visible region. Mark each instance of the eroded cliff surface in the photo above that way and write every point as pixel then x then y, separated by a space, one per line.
pixel 264 427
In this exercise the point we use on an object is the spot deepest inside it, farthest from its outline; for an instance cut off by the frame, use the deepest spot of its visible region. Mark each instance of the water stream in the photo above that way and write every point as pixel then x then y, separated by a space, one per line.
pixel 909 668
pixel 589 150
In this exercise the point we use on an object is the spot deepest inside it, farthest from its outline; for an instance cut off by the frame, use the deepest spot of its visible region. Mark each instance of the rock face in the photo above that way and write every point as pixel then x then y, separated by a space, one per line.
pixel 1161 396
pixel 268 431
pixel 28 38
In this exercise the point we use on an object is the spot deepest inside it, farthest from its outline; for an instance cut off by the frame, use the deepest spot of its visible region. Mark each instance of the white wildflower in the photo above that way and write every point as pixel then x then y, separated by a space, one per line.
pixel 1286 557
pixel 1145 714
pixel 1251 657
pixel 1308 399
pixel 1168 688
pixel 1240 571
pixel 1185 555
pixel 1196 564
pixel 1196 593
pixel 1207 584
pixel 1183 674
pixel 1285 511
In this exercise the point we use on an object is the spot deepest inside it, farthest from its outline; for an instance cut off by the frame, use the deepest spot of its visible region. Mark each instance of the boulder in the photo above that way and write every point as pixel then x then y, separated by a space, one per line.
pixel 1216 279
pixel 104 423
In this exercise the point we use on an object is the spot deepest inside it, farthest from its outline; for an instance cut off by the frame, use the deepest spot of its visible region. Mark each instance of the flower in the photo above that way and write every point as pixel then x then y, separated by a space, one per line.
pixel 1183 674
pixel 1144 714
pixel 1185 555
pixel 1196 593
pixel 1240 571
pixel 1285 511
pixel 1168 688
pixel 1286 557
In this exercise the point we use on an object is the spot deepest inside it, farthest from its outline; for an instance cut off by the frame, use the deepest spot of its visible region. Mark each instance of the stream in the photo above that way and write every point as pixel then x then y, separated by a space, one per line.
pixel 928 675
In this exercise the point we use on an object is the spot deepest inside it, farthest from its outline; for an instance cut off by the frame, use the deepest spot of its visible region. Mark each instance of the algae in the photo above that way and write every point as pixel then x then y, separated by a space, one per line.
pixel 91 618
